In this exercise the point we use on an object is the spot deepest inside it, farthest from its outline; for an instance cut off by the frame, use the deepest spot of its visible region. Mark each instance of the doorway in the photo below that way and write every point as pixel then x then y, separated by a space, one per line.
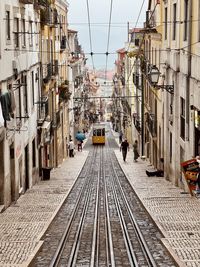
pixel 12 172
pixel 197 142
pixel 26 164
pixel 1 172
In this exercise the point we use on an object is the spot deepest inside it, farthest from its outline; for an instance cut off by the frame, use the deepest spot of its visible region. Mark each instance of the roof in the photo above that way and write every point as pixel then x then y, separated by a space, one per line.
pixel 135 30
pixel 121 50
pixel 72 31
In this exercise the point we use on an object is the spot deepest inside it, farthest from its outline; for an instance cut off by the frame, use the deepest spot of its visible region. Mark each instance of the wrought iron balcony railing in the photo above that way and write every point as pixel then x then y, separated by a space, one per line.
pixel 26 1
pixel 63 43
pixel 151 124
pixel 47 72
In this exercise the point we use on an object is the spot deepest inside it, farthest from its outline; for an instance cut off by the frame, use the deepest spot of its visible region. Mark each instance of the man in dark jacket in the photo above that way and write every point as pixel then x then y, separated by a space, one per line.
pixel 124 148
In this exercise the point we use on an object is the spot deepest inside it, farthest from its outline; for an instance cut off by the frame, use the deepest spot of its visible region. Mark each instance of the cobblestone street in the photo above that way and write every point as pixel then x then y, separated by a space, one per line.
pixel 176 214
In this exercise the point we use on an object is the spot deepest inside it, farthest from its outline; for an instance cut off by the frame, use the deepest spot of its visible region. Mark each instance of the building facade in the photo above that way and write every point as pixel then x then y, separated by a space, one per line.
pixel 172 45
pixel 19 87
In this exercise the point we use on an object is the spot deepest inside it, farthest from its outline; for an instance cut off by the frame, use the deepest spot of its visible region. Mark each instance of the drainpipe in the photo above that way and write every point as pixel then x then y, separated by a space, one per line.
pixel 189 72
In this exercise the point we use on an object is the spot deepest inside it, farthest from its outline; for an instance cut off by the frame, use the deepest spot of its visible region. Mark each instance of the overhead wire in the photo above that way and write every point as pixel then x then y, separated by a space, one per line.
pixel 136 21
pixel 90 35
pixel 108 40
pixel 127 81
pixel 104 53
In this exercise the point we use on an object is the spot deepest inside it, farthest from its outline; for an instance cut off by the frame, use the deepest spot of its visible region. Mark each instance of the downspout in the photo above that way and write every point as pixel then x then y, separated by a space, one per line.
pixel 189 72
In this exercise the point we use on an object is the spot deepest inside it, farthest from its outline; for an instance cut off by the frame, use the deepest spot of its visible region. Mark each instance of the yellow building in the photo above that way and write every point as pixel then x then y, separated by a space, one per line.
pixel 53 109
pixel 153 98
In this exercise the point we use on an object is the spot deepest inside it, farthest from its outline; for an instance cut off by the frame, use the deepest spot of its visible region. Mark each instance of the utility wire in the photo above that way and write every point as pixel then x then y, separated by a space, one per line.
pixel 136 22
pixel 90 35
pixel 140 45
pixel 105 53
pixel 108 40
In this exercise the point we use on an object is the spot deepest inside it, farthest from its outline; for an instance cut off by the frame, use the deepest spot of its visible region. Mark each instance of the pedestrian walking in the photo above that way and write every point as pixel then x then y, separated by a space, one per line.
pixel 120 136
pixel 135 151
pixel 124 148
pixel 79 144
pixel 71 148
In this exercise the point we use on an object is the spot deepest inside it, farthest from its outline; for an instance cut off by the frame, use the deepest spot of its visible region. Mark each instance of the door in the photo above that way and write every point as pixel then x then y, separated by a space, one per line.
pixel 12 173
pixel 26 164
pixel 1 173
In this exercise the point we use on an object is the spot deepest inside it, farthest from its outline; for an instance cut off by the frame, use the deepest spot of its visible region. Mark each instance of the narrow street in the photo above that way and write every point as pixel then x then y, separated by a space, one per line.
pixel 99 133
pixel 101 237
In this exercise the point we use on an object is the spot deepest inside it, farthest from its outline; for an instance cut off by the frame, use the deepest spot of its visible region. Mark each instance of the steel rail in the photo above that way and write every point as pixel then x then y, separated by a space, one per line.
pixel 110 250
pixel 74 251
pixel 96 230
pixel 55 260
pixel 150 260
pixel 130 251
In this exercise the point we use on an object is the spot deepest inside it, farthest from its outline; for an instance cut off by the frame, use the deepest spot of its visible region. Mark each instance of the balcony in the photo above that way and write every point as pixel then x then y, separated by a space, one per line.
pixel 64 92
pixel 151 124
pixel 26 1
pixel 63 43
pixel 150 19
pixel 42 110
pixel 47 72
pixel 55 67
pixel 137 122
pixel 49 16
pixel 41 4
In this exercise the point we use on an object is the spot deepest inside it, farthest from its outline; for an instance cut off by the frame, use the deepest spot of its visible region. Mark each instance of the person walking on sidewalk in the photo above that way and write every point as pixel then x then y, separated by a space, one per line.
pixel 120 136
pixel 71 148
pixel 124 148
pixel 135 151
pixel 79 143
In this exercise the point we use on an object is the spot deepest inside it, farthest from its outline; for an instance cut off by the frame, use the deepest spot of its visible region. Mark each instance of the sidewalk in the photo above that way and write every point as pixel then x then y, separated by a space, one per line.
pixel 23 224
pixel 177 215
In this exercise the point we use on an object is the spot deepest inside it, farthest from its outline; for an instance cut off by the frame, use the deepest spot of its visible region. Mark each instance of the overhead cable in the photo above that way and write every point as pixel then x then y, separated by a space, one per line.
pixel 90 35
pixel 108 40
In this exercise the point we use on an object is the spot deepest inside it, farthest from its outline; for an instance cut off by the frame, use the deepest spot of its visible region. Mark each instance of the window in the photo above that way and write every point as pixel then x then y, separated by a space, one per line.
pixel 174 22
pixel 166 23
pixel 137 42
pixel 33 154
pixel 30 33
pixel 18 102
pixel 23 33
pixel 8 25
pixel 16 32
pixel 36 33
pixel 25 102
pixel 170 148
pixel 182 118
pixel 32 84
pixel 185 19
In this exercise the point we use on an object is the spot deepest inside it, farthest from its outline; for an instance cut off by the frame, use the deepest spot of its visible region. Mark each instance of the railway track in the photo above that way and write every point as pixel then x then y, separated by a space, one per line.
pixel 108 225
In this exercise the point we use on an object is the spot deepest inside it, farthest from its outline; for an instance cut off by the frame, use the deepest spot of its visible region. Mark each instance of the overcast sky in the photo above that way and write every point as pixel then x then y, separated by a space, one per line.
pixel 123 11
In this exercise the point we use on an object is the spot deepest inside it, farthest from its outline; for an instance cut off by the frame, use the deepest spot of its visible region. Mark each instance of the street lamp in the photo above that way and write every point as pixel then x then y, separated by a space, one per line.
pixel 153 77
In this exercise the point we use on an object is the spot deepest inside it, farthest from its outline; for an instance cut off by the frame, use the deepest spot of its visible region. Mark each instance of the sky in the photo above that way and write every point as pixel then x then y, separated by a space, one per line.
pixel 123 11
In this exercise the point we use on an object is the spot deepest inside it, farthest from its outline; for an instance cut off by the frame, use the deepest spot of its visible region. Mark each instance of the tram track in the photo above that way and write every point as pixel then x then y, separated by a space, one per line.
pixel 108 225
pixel 125 225
pixel 84 194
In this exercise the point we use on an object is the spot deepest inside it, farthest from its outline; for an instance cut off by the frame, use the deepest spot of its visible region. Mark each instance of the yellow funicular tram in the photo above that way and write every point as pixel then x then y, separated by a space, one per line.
pixel 98 135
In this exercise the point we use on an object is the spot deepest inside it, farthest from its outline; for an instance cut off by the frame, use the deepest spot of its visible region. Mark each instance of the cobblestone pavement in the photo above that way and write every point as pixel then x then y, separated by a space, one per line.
pixel 176 214
pixel 23 224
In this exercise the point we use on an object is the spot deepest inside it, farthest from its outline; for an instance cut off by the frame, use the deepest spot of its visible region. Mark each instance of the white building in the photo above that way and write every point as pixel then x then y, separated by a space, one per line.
pixel 20 83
